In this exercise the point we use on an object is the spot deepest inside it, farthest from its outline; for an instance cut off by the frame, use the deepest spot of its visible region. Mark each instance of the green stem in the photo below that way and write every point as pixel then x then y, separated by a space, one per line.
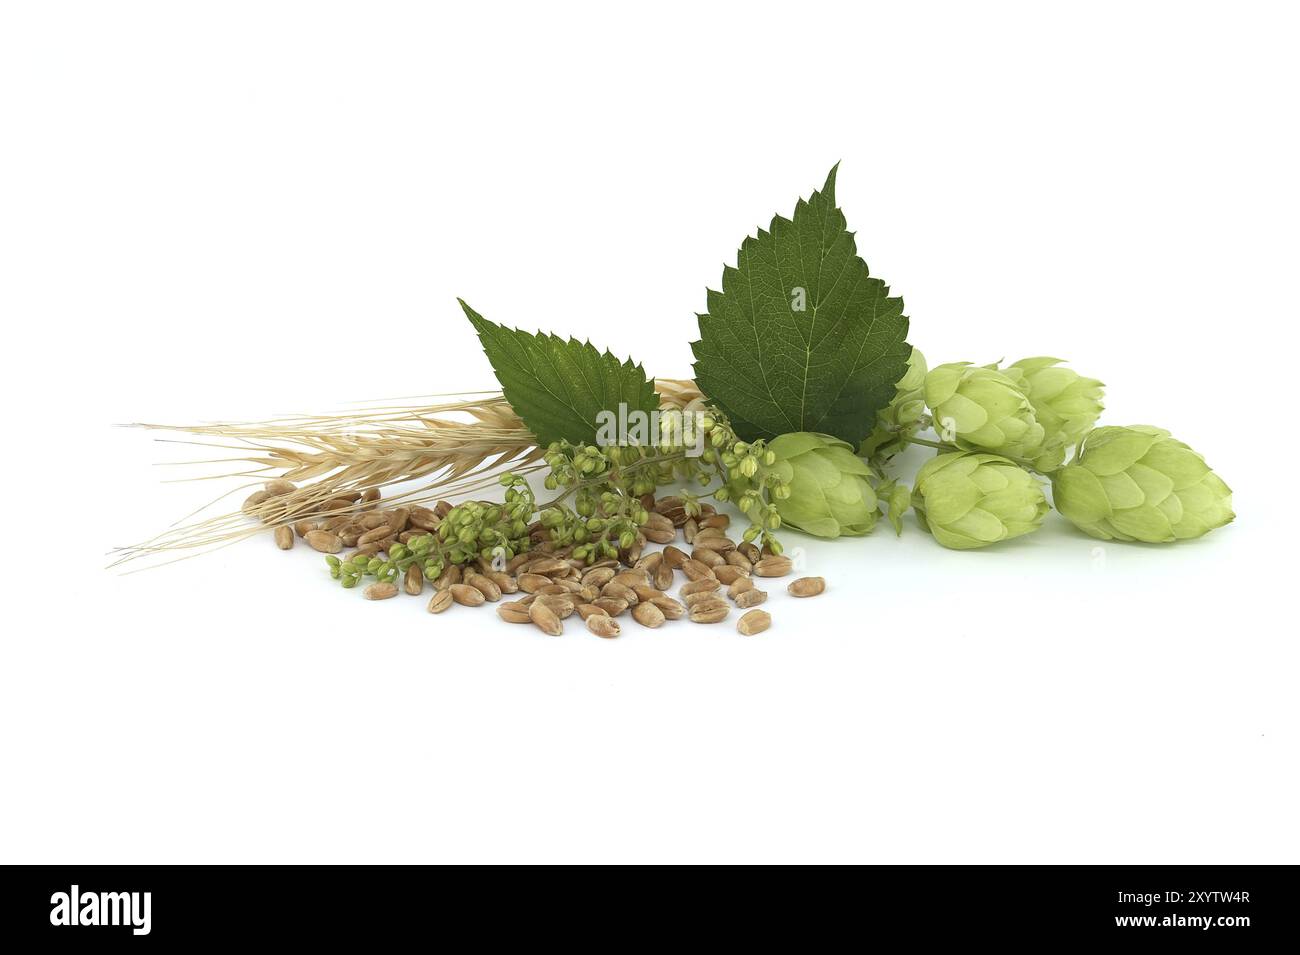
pixel 604 478
pixel 940 445
pixel 944 446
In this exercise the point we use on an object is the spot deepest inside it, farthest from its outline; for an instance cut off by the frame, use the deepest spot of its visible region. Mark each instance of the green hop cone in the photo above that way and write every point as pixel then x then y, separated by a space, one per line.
pixel 982 408
pixel 969 500
pixel 1138 483
pixel 1065 403
pixel 902 417
pixel 830 494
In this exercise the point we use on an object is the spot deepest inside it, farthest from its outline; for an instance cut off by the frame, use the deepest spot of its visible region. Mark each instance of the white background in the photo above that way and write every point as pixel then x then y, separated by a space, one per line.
pixel 223 210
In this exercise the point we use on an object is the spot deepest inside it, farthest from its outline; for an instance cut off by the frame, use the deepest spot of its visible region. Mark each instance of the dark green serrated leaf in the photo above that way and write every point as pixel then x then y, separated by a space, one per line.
pixel 559 387
pixel 828 368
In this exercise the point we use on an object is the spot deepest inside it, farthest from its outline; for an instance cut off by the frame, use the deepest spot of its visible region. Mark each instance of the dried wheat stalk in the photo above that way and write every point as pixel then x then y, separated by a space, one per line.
pixel 354 452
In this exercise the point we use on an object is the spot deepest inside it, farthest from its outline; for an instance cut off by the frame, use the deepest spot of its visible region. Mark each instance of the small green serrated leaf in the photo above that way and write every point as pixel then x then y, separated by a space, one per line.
pixel 558 387
pixel 801 337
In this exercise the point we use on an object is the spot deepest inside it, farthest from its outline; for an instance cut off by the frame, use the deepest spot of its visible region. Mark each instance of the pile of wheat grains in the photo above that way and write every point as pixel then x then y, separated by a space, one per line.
pixel 546 585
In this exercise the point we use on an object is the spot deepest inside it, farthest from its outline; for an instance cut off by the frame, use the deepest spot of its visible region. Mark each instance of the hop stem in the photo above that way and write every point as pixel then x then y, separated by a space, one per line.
pixel 944 446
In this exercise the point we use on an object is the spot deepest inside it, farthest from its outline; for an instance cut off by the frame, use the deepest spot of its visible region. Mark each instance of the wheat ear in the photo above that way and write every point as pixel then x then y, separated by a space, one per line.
pixel 353 452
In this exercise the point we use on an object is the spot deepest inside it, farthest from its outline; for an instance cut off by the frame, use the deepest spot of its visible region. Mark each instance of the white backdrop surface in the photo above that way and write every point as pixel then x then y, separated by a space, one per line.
pixel 242 209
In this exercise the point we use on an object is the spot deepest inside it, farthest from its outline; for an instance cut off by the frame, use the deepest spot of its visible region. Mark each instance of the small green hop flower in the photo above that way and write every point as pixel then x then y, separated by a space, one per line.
pixel 830 494
pixel 969 500
pixel 896 499
pixel 982 408
pixel 1140 484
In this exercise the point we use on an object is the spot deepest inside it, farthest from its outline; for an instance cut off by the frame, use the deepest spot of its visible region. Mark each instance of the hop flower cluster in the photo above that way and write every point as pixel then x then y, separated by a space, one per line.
pixel 968 500
pixel 1065 403
pixel 757 481
pixel 827 489
pixel 420 550
pixel 997 425
pixel 980 407
pixel 1140 484
pixel 606 484
pixel 472 530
